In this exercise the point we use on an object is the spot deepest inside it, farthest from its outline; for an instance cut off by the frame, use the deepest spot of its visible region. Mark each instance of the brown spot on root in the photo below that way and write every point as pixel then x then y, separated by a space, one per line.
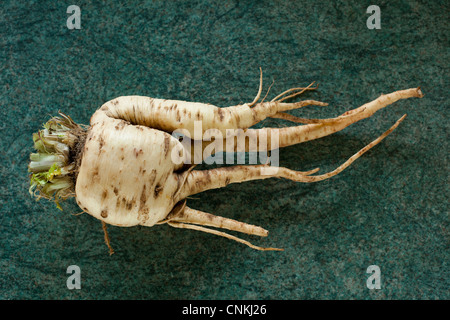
pixel 207 177
pixel 104 194
pixel 166 145
pixel 128 204
pixel 198 115
pixel 144 214
pixel 254 117
pixel 120 125
pixel 104 213
pixel 231 168
pixel 116 191
pixel 209 216
pixel 238 120
pixel 158 189
pixel 143 198
pixel 101 143
pixel 178 116
pixel 95 174
pixel 137 152
pixel 220 113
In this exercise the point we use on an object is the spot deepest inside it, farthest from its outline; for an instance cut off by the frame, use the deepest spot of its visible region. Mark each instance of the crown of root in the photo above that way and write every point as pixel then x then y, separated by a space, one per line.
pixel 54 166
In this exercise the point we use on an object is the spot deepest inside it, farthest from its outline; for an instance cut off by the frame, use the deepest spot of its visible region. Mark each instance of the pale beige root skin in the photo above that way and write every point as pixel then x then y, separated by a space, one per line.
pixel 171 115
pixel 219 233
pixel 192 216
pixel 315 128
pixel 298 134
pixel 127 176
pixel 186 218
pixel 201 180
pixel 319 128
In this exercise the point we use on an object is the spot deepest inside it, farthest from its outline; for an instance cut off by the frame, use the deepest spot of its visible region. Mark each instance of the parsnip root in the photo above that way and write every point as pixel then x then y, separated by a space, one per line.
pixel 121 168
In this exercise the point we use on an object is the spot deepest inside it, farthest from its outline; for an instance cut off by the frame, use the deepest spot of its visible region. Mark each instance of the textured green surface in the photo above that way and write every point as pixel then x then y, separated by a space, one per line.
pixel 389 209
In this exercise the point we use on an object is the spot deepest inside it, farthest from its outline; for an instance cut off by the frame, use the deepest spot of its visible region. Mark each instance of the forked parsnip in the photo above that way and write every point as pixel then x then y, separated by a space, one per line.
pixel 121 167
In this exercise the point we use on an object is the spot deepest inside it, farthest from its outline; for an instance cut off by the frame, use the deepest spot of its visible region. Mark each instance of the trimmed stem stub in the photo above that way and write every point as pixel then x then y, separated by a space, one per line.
pixel 54 166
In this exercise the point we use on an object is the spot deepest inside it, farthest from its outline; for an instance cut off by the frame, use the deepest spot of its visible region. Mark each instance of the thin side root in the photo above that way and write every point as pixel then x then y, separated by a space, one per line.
pixel 219 233
pixel 260 89
pixel 268 90
pixel 107 241
pixel 280 98
pixel 354 157
pixel 182 213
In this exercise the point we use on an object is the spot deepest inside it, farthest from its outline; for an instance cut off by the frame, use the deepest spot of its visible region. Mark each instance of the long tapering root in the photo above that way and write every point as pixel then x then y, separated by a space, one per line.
pixel 201 180
pixel 187 215
pixel 318 128
pixel 219 233
pixel 187 218
pixel 292 175
pixel 373 106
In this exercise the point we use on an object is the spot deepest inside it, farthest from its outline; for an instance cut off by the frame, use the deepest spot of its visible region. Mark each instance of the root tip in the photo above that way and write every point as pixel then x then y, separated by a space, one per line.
pixel 270 249
pixel 419 93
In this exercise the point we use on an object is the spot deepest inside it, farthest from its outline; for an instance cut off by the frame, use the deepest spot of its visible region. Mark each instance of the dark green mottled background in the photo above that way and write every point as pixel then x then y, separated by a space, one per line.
pixel 389 209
